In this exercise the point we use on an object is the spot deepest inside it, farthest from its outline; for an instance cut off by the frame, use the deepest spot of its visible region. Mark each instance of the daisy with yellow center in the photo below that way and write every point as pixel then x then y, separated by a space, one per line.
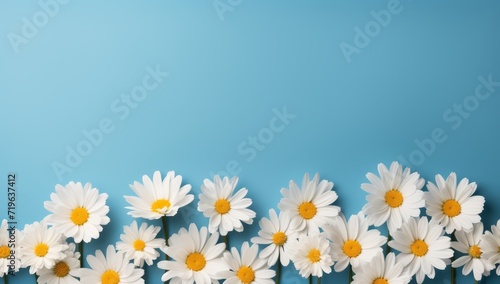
pixel 491 245
pixel 64 271
pixel 112 268
pixel 157 198
pixel 452 205
pixel 423 247
pixel 474 260
pixel 196 257
pixel 78 211
pixel 381 270
pixel 41 247
pixel 226 210
pixel 393 197
pixel 5 250
pixel 310 207
pixel 246 267
pixel 311 255
pixel 352 242
pixel 140 243
pixel 275 233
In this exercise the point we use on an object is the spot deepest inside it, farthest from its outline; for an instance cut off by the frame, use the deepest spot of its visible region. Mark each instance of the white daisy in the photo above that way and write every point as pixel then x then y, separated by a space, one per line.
pixel 157 198
pixel 41 246
pixel 7 246
pixel 140 244
pixel 491 245
pixel 311 255
pixel 225 210
pixel 394 197
pixel 247 268
pixel 78 211
pixel 423 247
pixel 275 233
pixel 381 271
pixel 310 206
pixel 64 271
pixel 196 257
pixel 352 242
pixel 453 206
pixel 470 243
pixel 113 268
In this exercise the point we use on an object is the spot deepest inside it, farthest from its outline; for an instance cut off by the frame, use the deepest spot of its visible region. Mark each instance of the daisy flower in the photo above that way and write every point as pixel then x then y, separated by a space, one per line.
pixel 157 198
pixel 77 211
pixel 470 243
pixel 394 197
pixel 6 264
pixel 41 246
pixel 140 244
pixel 491 245
pixel 423 247
pixel 352 242
pixel 196 257
pixel 310 206
pixel 247 268
pixel 225 210
pixel 381 271
pixel 311 255
pixel 453 206
pixel 110 269
pixel 275 233
pixel 64 271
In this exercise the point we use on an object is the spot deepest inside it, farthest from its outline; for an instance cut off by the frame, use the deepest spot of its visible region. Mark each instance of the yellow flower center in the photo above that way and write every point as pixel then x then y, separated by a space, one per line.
pixel 110 277
pixel 79 216
pixel 475 251
pixel 451 208
pixel 246 274
pixel 314 255
pixel 380 281
pixel 419 248
pixel 4 251
pixel 222 206
pixel 61 269
pixel 41 249
pixel 160 204
pixel 196 261
pixel 352 248
pixel 307 210
pixel 139 245
pixel 279 238
pixel 394 198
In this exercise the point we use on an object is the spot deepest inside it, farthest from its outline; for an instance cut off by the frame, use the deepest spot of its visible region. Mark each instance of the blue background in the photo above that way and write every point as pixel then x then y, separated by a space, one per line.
pixel 227 74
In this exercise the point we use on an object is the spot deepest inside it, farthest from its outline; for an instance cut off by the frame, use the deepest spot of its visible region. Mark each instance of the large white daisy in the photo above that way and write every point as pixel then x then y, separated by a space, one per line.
pixel 140 244
pixel 423 247
pixel 311 255
pixel 226 210
pixel 41 247
pixel 113 268
pixel 275 233
pixel 453 206
pixel 394 197
pixel 310 206
pixel 471 243
pixel 196 257
pixel 64 271
pixel 352 242
pixel 77 211
pixel 491 245
pixel 7 246
pixel 247 268
pixel 157 198
pixel 381 271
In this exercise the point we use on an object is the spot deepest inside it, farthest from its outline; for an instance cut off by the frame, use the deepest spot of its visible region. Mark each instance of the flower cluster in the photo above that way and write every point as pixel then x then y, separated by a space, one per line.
pixel 309 232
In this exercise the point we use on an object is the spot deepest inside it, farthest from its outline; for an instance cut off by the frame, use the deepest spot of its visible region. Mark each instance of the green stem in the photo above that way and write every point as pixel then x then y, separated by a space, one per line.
pixel 165 231
pixel 319 280
pixel 225 239
pixel 475 281
pixel 278 271
pixel 350 273
pixel 36 278
pixel 6 278
pixel 452 270
pixel 80 250
pixel 310 279
pixel 387 247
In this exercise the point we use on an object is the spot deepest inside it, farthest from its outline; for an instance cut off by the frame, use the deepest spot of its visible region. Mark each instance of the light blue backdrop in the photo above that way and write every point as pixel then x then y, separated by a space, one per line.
pixel 360 86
